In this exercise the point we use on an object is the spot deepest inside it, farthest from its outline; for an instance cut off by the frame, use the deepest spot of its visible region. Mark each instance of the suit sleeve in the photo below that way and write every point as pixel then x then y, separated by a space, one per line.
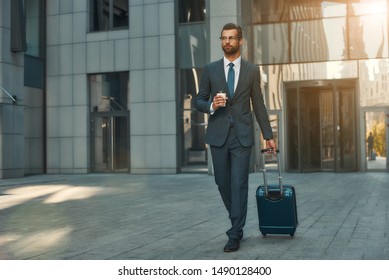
pixel 203 102
pixel 259 107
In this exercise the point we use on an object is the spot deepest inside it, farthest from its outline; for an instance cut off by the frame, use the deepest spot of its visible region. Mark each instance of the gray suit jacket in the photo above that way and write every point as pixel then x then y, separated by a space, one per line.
pixel 238 108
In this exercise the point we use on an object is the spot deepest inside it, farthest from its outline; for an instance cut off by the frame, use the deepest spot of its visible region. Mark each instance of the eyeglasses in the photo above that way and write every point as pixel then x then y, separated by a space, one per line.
pixel 224 38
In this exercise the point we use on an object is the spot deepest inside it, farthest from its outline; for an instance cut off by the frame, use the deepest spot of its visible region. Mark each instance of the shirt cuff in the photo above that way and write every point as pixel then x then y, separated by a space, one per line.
pixel 211 110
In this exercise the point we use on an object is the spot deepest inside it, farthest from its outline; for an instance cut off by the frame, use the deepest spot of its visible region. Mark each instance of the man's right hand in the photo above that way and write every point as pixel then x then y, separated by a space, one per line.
pixel 218 101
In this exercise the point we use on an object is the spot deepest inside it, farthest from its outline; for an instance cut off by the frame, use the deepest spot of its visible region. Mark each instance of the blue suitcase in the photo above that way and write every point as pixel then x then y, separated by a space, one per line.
pixel 277 208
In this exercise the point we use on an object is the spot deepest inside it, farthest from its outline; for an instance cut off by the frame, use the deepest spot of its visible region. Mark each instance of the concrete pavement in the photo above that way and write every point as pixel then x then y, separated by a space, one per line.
pixel 124 216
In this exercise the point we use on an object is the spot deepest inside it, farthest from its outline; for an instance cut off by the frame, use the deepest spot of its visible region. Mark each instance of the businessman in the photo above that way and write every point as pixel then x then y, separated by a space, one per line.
pixel 230 131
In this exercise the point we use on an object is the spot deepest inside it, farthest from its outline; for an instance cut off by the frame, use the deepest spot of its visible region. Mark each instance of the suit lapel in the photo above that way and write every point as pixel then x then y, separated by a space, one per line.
pixel 222 76
pixel 242 74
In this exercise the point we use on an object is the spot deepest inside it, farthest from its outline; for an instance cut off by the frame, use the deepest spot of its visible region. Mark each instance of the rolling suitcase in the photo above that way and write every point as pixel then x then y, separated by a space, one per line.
pixel 277 209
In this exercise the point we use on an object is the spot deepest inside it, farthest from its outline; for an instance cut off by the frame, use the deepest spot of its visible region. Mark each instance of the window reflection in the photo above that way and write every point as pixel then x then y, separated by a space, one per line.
pixel 343 30
pixel 191 10
pixel 271 83
pixel 108 92
pixel 318 40
pixel 333 9
pixel 193 122
pixel 301 10
pixel 34 28
pixel 265 11
pixel 108 14
pixel 192 42
pixel 368 7
pixel 271 43
pixel 309 42
pixel 374 82
pixel 368 36
pixel 120 13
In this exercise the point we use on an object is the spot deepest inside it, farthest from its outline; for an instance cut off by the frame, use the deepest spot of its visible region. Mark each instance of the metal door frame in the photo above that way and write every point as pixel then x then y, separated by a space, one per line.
pixel 334 85
pixel 111 115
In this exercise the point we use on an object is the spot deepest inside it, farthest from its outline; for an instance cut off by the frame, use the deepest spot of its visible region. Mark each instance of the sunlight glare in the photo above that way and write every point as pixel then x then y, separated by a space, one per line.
pixel 73 193
pixel 41 241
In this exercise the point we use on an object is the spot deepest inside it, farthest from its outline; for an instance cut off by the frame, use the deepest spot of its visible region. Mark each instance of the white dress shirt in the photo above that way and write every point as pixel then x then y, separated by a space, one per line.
pixel 236 68
pixel 226 68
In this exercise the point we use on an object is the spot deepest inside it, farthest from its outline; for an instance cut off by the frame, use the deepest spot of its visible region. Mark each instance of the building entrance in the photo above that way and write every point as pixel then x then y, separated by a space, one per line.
pixel 193 151
pixel 321 126
pixel 110 120
pixel 109 145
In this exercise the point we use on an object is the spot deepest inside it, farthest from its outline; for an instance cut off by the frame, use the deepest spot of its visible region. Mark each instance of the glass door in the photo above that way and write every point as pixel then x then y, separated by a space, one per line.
pixel 346 152
pixel 109 143
pixel 109 116
pixel 327 130
pixel 321 126
pixel 310 136
pixel 376 137
pixel 193 150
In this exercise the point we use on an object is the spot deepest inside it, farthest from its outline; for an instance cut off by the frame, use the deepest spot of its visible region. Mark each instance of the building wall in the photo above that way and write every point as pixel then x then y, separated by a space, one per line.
pixel 11 115
pixel 153 111
pixel 69 55
pixel 33 131
pixel 146 50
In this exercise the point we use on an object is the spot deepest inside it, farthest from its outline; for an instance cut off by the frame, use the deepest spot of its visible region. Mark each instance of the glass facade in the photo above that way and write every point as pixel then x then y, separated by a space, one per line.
pixel 368 37
pixel 307 31
pixel 323 62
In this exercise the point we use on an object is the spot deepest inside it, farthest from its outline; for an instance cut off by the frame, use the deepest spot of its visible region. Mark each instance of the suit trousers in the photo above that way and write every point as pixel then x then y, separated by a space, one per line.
pixel 231 168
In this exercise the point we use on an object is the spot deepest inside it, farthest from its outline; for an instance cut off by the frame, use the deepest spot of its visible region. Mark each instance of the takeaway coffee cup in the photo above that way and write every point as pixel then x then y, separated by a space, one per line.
pixel 222 94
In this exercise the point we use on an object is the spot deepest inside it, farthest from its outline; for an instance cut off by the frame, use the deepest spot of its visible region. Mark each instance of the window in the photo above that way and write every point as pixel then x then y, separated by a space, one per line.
pixel 18 27
pixel 191 11
pixel 108 14
pixel 34 27
pixel 108 92
pixel 318 40
pixel 368 36
pixel 271 43
pixel 295 31
pixel 34 70
pixel 265 11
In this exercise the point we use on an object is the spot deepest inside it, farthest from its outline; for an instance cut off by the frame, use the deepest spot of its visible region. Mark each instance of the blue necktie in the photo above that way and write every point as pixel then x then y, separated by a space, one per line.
pixel 230 79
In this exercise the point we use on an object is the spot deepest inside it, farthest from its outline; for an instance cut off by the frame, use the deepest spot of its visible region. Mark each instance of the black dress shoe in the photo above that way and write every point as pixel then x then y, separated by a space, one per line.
pixel 232 245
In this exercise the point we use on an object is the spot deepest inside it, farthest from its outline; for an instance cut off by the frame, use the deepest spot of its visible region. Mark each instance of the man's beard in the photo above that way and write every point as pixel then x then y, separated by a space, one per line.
pixel 231 50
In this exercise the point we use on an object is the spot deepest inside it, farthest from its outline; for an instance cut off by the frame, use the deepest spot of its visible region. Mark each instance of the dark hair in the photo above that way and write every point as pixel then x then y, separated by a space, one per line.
pixel 230 26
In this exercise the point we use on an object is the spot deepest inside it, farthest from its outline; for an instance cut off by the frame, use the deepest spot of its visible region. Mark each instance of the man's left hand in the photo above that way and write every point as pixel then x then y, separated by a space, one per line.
pixel 271 144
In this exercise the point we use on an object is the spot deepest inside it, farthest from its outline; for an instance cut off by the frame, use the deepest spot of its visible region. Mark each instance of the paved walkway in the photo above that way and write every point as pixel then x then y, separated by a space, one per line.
pixel 123 216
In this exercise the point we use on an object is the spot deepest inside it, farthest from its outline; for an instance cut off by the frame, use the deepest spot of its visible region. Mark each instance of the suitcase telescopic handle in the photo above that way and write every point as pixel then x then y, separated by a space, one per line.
pixel 271 151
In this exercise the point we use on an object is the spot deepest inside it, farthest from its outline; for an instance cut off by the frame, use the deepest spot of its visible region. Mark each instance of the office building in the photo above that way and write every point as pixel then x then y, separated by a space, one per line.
pixel 108 85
